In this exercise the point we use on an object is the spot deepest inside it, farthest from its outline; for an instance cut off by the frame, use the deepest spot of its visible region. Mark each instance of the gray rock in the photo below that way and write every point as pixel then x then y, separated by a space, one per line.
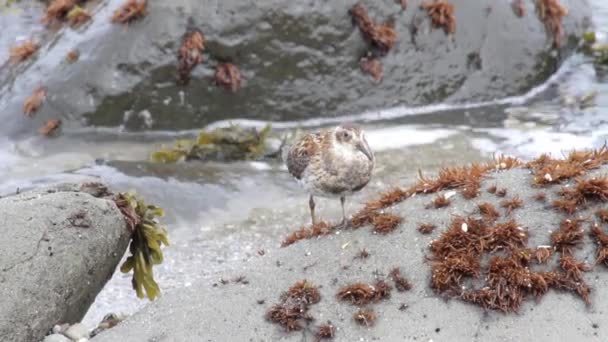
pixel 77 331
pixel 297 61
pixel 212 311
pixel 56 338
pixel 51 264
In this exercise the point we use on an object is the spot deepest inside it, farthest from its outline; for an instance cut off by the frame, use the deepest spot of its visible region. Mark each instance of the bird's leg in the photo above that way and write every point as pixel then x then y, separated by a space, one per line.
pixel 311 204
pixel 342 200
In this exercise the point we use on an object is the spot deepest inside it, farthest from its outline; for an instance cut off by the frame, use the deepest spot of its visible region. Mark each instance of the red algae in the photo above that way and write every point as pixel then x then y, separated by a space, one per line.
pixel 292 312
pixel 426 228
pixel 23 51
pixel 601 239
pixel 488 212
pixel 385 223
pixel 551 12
pixel 382 36
pixel 569 235
pixel 365 317
pixel 401 283
pixel 441 13
pixel 319 229
pixel 361 293
pixel 512 204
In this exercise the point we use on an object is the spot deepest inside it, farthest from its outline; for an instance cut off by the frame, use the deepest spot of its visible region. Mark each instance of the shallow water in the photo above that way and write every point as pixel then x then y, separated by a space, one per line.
pixel 220 214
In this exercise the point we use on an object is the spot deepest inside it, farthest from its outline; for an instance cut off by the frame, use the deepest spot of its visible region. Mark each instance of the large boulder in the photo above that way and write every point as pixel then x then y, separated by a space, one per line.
pixel 297 61
pixel 233 306
pixel 59 246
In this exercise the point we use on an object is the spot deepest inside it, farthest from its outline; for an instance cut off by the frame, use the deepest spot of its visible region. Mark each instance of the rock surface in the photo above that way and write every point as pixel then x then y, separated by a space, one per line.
pixel 216 310
pixel 296 60
pixel 59 246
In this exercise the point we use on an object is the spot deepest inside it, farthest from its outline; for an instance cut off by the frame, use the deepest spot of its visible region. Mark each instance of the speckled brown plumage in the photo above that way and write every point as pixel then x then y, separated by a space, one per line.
pixel 331 163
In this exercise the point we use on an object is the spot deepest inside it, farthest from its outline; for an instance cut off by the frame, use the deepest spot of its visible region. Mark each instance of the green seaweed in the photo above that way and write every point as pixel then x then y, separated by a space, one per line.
pixel 222 144
pixel 146 241
pixel 600 54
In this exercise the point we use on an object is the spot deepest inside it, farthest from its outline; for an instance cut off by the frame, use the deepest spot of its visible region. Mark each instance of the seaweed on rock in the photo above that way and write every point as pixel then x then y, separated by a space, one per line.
pixel 382 36
pixel 130 11
pixel 147 237
pixel 442 15
pixel 225 144
pixel 23 51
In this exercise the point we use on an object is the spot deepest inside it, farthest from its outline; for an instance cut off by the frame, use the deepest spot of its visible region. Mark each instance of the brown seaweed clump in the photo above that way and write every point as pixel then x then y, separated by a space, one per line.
pixel 551 13
pixel 57 10
pixel 508 235
pixel 365 317
pixel 548 170
pixel 585 190
pixel 23 51
pixel 319 229
pixel 190 54
pixel 388 199
pixel 228 76
pixel 442 15
pixel 488 212
pixel 512 204
pixel 130 11
pixel 574 269
pixel 502 192
pixel 50 127
pixel 540 197
pixel 325 331
pixel 568 236
pixel 507 281
pixel 361 293
pixel 34 101
pixel 385 223
pixel 601 239
pixel 542 254
pixel 602 214
pixel 382 36
pixel 372 67
pixel 457 256
pixel 292 312
pixel 401 283
pixel 441 201
pixel 426 228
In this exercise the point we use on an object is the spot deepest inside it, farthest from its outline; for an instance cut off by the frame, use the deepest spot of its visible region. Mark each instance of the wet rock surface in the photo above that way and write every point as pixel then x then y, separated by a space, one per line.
pixel 59 247
pixel 296 61
pixel 234 305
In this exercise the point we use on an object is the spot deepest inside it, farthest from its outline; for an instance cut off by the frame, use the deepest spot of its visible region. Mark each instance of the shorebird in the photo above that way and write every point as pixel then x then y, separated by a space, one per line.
pixel 332 163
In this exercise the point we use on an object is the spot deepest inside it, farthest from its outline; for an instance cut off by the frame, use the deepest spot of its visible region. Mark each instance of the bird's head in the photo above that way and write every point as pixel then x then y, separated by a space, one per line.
pixel 352 136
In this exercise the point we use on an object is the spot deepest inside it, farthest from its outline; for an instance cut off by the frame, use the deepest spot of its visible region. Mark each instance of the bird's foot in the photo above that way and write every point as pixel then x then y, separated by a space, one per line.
pixel 343 224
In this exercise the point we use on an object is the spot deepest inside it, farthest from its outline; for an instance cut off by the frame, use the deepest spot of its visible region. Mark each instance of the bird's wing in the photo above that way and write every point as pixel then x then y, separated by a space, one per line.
pixel 300 154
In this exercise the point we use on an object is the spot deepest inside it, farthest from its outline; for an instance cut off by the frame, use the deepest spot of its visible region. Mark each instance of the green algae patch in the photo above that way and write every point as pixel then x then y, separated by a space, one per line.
pixel 146 241
pixel 222 144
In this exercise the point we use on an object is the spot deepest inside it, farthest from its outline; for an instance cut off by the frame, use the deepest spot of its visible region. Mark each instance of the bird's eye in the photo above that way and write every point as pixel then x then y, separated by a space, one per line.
pixel 345 135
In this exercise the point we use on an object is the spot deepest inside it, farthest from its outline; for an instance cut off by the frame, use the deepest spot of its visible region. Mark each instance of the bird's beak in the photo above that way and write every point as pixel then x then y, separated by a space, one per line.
pixel 364 148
